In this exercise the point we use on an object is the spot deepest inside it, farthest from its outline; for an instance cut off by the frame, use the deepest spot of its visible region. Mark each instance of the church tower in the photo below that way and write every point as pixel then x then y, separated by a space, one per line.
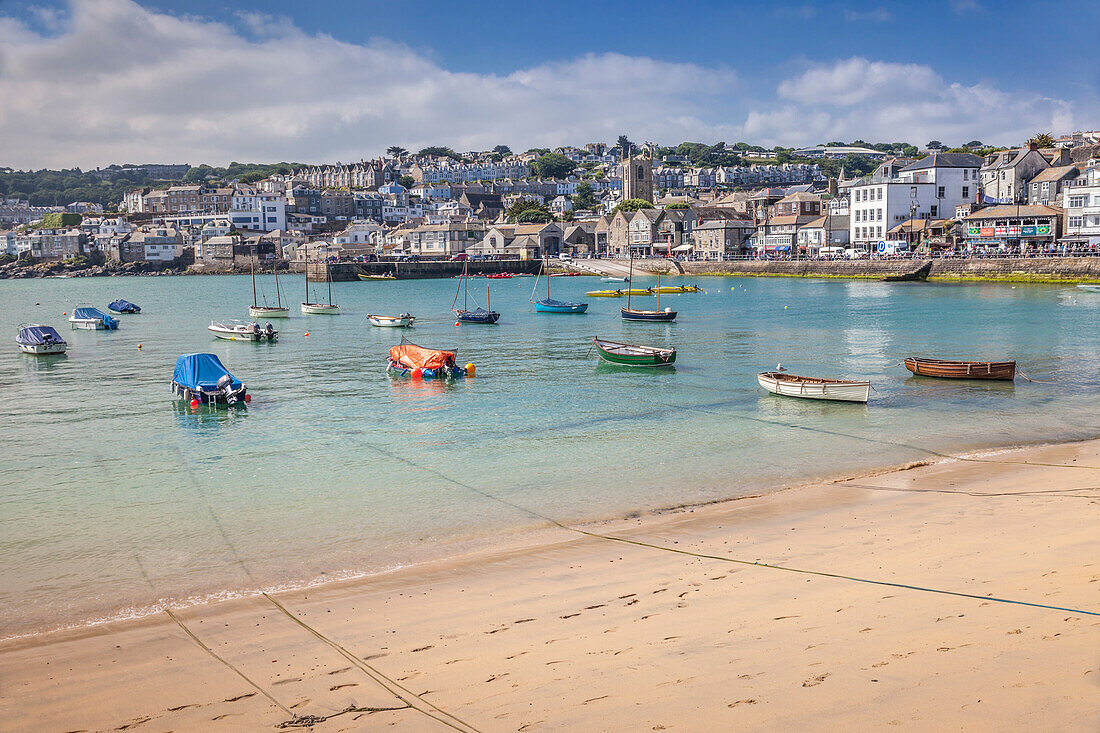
pixel 638 178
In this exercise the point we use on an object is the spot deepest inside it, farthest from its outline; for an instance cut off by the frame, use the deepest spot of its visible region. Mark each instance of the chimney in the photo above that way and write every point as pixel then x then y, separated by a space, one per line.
pixel 1032 145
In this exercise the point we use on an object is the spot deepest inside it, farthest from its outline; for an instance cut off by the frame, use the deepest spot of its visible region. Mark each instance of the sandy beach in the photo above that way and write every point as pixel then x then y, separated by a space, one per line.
pixel 582 632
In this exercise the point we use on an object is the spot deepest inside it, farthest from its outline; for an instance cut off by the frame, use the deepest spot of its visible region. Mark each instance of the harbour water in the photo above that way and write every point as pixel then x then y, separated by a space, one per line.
pixel 114 498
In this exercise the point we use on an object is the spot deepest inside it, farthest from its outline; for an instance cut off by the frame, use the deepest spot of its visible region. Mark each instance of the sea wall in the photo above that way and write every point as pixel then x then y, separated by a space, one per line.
pixel 1004 269
pixel 348 271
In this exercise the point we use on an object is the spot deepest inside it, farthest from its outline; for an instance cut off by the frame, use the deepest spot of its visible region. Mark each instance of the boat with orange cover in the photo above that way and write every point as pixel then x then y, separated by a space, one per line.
pixel 407 357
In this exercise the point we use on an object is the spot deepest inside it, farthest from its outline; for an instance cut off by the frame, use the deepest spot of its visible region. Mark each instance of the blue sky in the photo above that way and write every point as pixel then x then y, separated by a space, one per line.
pixel 342 80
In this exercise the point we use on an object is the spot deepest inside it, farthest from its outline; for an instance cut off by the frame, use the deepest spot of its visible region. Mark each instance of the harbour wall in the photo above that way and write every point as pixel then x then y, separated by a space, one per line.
pixel 349 271
pixel 1002 269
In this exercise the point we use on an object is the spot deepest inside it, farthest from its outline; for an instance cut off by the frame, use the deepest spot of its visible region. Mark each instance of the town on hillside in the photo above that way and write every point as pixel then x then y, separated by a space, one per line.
pixel 692 202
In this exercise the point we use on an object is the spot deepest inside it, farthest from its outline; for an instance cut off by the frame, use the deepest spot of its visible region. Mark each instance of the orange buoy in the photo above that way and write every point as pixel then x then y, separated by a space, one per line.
pixel 417 373
pixel 307 333
pixel 456 323
pixel 139 346
pixel 471 370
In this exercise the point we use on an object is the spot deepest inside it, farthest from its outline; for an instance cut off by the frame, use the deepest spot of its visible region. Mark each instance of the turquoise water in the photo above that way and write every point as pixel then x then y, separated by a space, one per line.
pixel 114 498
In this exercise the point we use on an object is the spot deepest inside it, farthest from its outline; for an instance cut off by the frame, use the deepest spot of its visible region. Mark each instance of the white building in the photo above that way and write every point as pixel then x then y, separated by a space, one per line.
pixel 931 188
pixel 1081 202
pixel 256 210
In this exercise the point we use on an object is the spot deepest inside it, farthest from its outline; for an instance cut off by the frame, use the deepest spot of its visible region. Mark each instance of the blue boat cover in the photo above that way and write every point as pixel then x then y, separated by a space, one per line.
pixel 39 335
pixel 123 306
pixel 108 321
pixel 201 371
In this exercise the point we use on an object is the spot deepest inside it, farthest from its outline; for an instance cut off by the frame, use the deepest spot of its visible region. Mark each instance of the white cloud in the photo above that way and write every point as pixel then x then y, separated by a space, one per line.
pixel 120 83
pixel 877 15
pixel 878 100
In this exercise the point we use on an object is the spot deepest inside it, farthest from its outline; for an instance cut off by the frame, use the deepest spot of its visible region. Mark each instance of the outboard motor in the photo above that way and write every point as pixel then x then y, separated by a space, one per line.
pixel 225 386
pixel 269 331
pixel 256 328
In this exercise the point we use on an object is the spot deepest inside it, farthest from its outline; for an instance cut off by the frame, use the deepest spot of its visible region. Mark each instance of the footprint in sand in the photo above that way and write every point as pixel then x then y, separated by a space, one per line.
pixel 341 670
pixel 239 697
pixel 424 648
pixel 815 681
pixel 300 703
pixel 334 688
pixel 182 707
pixel 287 681
pixel 748 701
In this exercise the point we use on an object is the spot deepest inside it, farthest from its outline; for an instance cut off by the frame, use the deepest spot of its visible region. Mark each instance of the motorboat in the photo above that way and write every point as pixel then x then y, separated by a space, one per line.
pixel 204 378
pixel 243 331
pixel 402 321
pixel 123 306
pixel 813 388
pixel 39 340
pixel 92 319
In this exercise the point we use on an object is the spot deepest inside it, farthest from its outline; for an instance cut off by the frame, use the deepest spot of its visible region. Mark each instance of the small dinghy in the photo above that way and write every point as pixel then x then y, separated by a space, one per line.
pixel 605 293
pixel 945 369
pixel 409 360
pixel 402 321
pixel 92 319
pixel 667 289
pixel 123 306
pixel 39 340
pixel 1089 288
pixel 243 331
pixel 633 354
pixel 548 304
pixel 610 279
pixel 813 388
pixel 202 377
pixel 377 277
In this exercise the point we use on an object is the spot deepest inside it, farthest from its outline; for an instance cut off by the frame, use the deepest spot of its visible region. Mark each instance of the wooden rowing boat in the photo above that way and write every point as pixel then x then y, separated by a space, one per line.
pixel 945 369
pixel 813 388
pixel 634 355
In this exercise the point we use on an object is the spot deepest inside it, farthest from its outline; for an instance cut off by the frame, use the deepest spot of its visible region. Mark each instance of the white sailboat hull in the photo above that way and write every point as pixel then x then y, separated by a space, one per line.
pixel 255 311
pixel 320 309
pixel 391 321
pixel 841 391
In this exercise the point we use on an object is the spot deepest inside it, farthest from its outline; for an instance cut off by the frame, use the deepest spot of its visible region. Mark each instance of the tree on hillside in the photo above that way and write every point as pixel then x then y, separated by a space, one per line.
pixel 973 144
pixel 406 181
pixel 624 144
pixel 585 197
pixel 934 145
pixel 437 151
pixel 678 205
pixel 502 150
pixel 396 151
pixel 1044 140
pixel 552 165
pixel 632 205
pixel 526 211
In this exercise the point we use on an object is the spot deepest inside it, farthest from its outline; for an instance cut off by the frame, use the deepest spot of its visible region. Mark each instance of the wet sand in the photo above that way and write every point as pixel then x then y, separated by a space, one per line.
pixel 586 633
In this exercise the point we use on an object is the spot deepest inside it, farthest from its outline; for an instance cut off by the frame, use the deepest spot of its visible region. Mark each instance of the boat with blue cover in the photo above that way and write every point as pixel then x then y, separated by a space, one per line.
pixel 123 306
pixel 203 377
pixel 92 319
pixel 39 340
pixel 548 304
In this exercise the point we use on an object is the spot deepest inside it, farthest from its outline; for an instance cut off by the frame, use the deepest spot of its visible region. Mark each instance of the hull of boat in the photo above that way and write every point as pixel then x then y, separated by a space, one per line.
pixel 490 317
pixel 605 293
pixel 391 321
pixel 204 397
pixel 43 349
pixel 260 312
pixel 320 309
pixel 561 308
pixel 231 334
pixel 638 291
pixel 944 369
pixel 376 277
pixel 633 355
pixel 814 389
pixel 630 314
pixel 673 289
pixel 1089 288
pixel 613 279
pixel 87 324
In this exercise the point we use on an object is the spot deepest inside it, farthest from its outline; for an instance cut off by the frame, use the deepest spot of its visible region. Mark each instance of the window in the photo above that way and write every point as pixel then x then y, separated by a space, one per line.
pixel 879 194
pixel 1075 222
pixel 966 174
pixel 940 192
pixel 933 210
pixel 1077 202
pixel 966 192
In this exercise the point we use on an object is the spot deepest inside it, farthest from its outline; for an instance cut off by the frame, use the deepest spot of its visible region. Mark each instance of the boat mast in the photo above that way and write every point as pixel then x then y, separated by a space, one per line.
pixel 253 262
pixel 545 264
pixel 278 295
pixel 328 277
pixel 630 275
pixel 465 284
pixel 307 279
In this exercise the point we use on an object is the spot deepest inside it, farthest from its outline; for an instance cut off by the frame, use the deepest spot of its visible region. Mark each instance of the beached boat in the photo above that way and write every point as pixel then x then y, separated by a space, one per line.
pixel 548 304
pixel 407 358
pixel 329 307
pixel 377 277
pixel 605 293
pixel 267 311
pixel 39 340
pixel 243 331
pixel 402 321
pixel 945 369
pixel 1089 288
pixel 477 315
pixel 204 378
pixel 92 319
pixel 123 306
pixel 611 279
pixel 637 314
pixel 813 388
pixel 633 354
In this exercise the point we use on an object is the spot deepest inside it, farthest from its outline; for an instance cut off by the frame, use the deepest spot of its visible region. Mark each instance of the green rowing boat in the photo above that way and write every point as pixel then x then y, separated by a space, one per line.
pixel 633 355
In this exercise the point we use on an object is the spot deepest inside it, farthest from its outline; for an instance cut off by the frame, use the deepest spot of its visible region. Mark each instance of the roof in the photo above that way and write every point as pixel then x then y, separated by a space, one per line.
pixel 946 160
pixel 723 224
pixel 712 213
pixel 800 196
pixel 836 223
pixel 1011 211
pixel 1055 174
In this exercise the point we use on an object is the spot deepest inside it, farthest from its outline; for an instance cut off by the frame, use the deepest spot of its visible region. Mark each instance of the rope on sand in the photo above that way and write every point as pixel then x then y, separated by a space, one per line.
pixel 411 699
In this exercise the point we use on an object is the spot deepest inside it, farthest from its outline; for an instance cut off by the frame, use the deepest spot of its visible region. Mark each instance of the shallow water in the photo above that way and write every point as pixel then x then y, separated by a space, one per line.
pixel 114 497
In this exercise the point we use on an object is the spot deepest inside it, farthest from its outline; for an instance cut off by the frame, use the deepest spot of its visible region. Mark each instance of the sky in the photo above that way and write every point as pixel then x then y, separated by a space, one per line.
pixel 93 82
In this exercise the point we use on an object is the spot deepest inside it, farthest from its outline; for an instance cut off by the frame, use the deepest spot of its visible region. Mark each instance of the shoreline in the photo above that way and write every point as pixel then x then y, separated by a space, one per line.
pixel 810 526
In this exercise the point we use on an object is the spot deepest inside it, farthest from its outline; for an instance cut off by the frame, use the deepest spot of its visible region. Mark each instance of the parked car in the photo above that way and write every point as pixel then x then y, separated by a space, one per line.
pixel 459 257
pixel 564 256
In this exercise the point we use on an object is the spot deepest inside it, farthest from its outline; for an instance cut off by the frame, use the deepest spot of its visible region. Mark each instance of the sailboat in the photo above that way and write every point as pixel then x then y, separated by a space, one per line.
pixel 479 314
pixel 265 311
pixel 315 309
pixel 548 304
pixel 634 314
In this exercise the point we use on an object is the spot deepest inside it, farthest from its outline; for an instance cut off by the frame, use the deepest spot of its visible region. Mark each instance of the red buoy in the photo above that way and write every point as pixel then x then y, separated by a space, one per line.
pixel 248 398
pixel 417 373
pixel 194 403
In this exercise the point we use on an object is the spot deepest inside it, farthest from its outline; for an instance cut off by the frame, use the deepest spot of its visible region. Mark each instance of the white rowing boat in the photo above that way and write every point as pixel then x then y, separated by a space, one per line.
pixel 402 321
pixel 813 388
pixel 1090 288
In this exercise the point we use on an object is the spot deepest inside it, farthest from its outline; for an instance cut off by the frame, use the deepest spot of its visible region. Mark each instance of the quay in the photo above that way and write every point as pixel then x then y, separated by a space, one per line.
pixel 350 271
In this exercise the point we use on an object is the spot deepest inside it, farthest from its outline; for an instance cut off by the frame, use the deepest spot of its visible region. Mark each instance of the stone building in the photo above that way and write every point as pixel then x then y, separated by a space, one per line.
pixel 638 178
